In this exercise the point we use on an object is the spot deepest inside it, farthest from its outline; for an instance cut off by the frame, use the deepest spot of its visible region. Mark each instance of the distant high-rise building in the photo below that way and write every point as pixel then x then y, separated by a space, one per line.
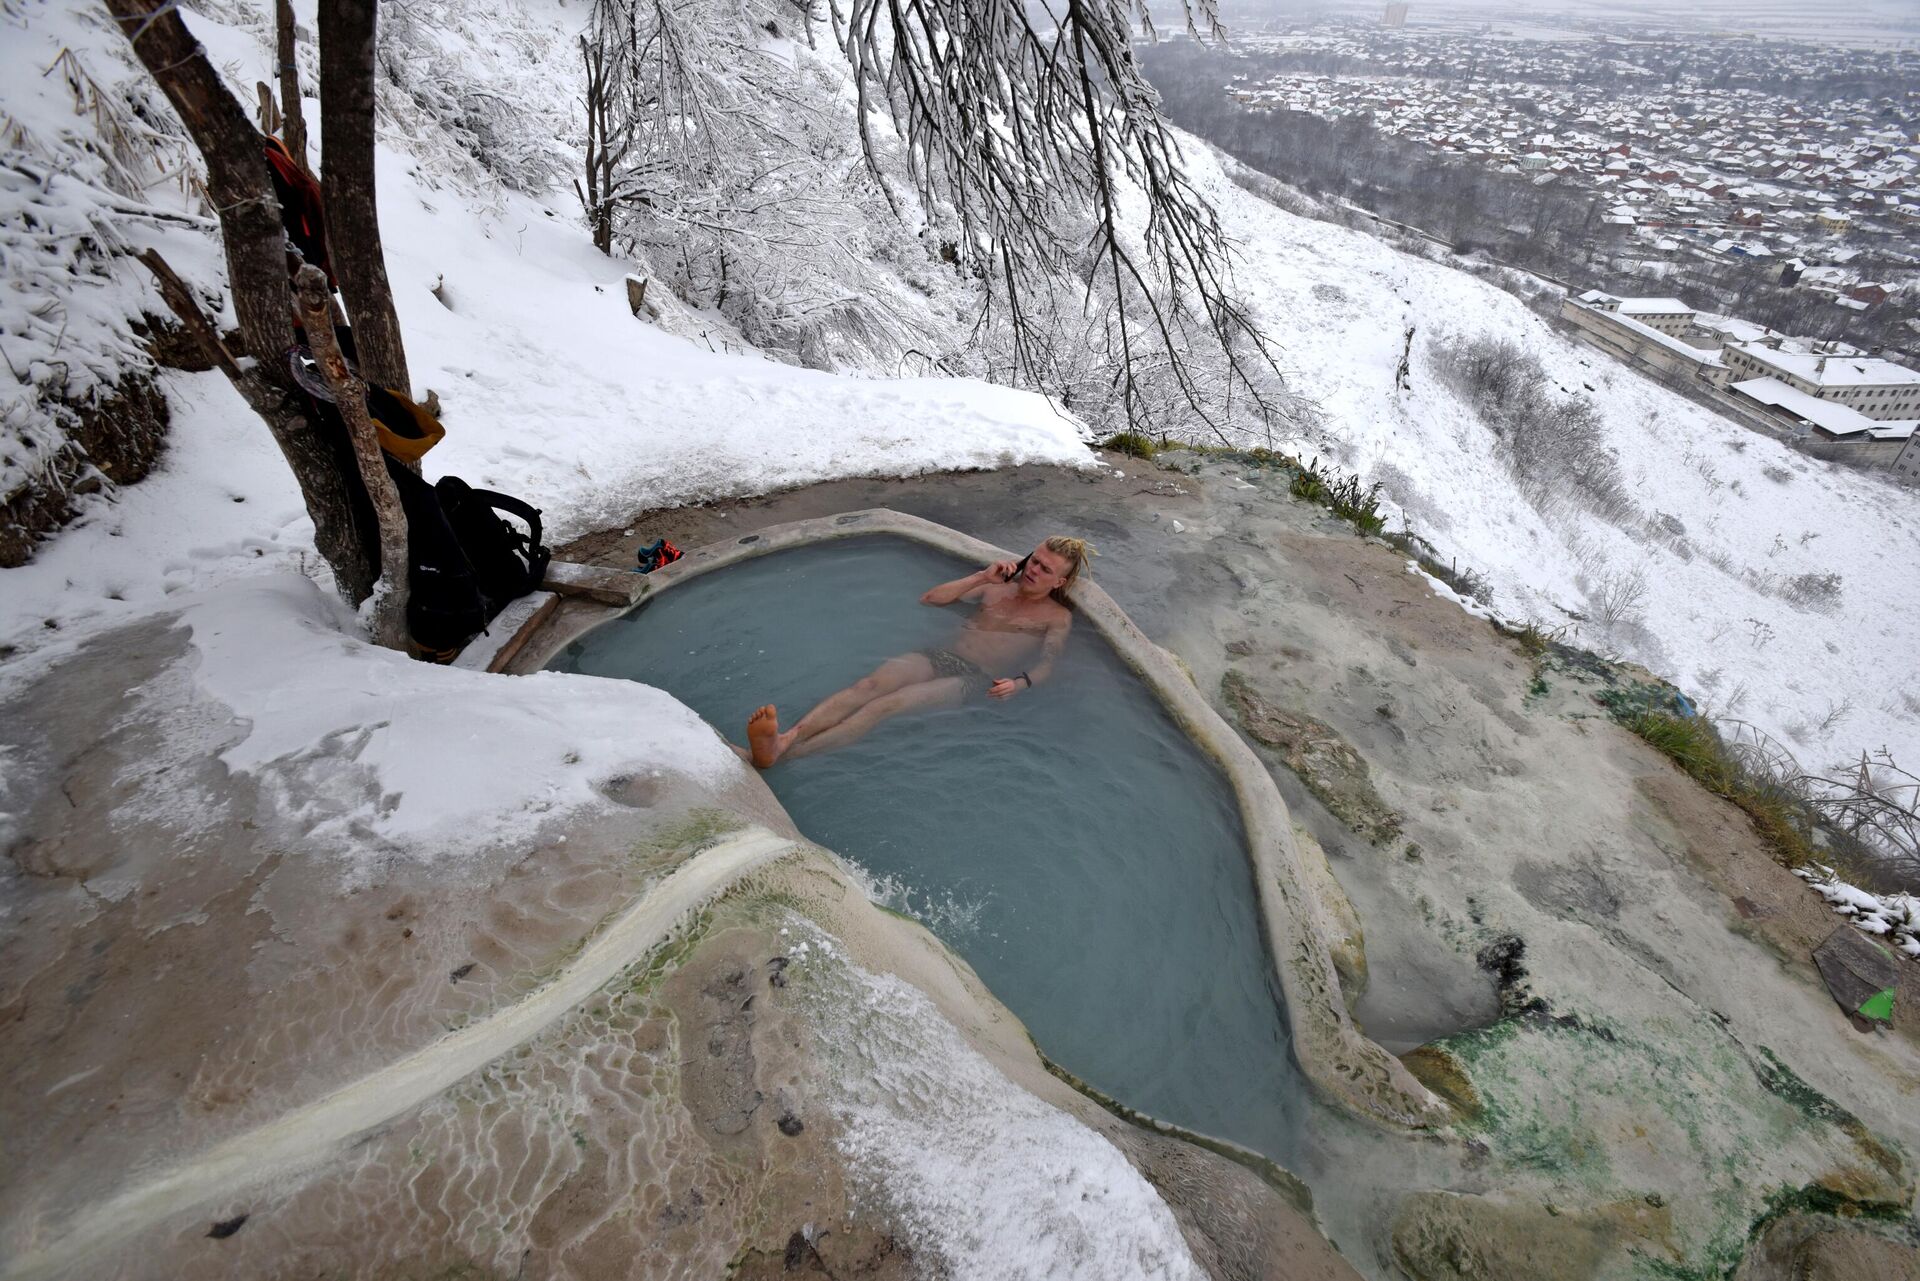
pixel 1396 16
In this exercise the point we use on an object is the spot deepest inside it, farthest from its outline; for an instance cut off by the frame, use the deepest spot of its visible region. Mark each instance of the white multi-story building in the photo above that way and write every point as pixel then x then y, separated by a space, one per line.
pixel 1668 315
pixel 1877 388
pixel 1906 465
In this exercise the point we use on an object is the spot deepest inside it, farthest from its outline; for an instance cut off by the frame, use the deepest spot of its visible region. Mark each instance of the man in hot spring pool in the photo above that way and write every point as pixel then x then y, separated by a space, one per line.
pixel 1019 629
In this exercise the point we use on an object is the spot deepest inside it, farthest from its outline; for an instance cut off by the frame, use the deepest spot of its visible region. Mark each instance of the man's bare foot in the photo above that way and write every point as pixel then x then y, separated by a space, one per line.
pixel 763 736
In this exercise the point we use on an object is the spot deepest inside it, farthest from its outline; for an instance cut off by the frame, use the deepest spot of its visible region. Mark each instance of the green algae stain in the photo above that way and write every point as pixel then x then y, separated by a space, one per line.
pixel 1561 1098
pixel 646 974
pixel 1783 1082
pixel 696 831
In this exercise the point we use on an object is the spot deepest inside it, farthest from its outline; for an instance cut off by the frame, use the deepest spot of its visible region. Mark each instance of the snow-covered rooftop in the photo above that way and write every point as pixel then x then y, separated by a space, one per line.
pixel 1687 351
pixel 1733 327
pixel 1654 307
pixel 1835 419
pixel 1835 371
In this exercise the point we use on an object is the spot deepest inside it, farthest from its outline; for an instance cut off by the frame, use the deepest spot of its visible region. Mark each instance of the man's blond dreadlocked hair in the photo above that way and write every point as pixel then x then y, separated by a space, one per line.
pixel 1078 552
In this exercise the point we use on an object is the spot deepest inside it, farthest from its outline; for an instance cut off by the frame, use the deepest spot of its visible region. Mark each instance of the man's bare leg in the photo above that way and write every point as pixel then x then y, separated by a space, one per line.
pixel 944 691
pixel 769 742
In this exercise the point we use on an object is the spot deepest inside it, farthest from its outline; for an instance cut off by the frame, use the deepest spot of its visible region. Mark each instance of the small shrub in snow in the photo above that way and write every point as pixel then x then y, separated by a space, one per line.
pixel 1552 444
pixel 1489 370
pixel 1817 593
pixel 1619 597
pixel 1344 496
pixel 1402 489
pixel 1467 582
pixel 1691 742
pixel 1132 443
pixel 1588 554
pixel 1670 532
pixel 1534 639
pixel 1778 475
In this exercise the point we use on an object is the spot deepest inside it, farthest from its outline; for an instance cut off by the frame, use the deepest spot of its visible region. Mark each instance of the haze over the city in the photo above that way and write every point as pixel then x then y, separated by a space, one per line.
pixel 1868 20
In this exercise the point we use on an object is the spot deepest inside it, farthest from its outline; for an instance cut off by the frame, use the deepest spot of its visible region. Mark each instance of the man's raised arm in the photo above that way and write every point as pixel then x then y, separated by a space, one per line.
pixel 968 587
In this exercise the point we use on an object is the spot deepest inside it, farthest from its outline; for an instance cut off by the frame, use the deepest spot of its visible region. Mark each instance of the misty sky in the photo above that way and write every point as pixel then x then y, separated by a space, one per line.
pixel 1855 19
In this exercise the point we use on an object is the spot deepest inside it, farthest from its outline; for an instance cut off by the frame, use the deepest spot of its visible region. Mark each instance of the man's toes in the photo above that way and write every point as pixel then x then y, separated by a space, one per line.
pixel 763 734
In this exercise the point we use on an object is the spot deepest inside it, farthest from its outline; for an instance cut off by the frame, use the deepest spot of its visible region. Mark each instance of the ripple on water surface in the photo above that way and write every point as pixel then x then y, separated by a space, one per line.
pixel 1073 844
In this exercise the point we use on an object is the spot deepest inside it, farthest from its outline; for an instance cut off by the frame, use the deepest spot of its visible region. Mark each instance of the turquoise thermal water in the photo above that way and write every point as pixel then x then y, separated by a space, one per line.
pixel 1072 843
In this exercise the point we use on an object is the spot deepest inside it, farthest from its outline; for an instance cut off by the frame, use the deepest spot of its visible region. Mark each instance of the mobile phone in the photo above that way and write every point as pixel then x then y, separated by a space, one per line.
pixel 1019 569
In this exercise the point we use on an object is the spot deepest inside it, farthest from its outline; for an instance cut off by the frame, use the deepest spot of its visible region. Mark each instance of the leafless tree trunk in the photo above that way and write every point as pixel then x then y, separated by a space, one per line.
pixel 293 118
pixel 347 186
pixel 241 191
pixel 315 305
pixel 606 143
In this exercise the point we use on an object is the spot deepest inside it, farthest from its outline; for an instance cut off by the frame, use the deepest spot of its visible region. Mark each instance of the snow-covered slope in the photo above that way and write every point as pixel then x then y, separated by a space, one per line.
pixel 1726 517
pixel 552 389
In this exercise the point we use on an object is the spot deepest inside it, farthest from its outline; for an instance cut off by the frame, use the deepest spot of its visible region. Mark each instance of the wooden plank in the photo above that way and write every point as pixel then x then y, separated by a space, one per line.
pixel 608 586
pixel 494 648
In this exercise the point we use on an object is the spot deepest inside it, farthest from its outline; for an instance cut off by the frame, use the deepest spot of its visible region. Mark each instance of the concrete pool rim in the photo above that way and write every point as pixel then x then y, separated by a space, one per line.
pixel 1345 1067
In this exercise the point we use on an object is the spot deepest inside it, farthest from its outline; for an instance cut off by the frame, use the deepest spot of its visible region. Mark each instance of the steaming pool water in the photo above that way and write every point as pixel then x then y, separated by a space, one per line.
pixel 1073 844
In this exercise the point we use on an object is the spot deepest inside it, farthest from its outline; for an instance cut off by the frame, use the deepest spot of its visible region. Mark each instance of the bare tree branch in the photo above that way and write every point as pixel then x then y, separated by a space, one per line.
pixel 315 303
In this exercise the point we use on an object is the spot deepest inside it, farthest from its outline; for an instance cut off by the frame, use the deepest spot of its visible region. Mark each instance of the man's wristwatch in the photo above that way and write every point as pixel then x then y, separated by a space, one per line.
pixel 1028 679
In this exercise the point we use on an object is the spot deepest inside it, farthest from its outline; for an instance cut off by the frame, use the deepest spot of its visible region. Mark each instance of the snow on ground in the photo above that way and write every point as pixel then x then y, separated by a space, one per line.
pixel 994 1183
pixel 374 755
pixel 1746 509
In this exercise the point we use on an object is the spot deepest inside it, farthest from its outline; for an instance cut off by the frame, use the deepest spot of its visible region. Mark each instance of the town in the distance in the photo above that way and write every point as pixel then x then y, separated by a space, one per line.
pixel 1734 214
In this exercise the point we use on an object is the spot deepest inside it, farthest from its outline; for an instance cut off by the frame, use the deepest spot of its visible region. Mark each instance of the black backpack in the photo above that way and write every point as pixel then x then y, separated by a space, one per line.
pixel 445 606
pixel 464 563
pixel 507 562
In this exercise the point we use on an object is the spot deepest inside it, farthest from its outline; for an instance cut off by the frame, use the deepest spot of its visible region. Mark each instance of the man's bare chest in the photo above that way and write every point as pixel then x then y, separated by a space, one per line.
pixel 1012 616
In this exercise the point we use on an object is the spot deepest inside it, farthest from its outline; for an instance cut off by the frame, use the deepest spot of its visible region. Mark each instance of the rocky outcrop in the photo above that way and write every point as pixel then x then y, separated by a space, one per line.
pixel 1347 943
pixel 1445 1236
pixel 1329 766
pixel 1820 1247
pixel 113 438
